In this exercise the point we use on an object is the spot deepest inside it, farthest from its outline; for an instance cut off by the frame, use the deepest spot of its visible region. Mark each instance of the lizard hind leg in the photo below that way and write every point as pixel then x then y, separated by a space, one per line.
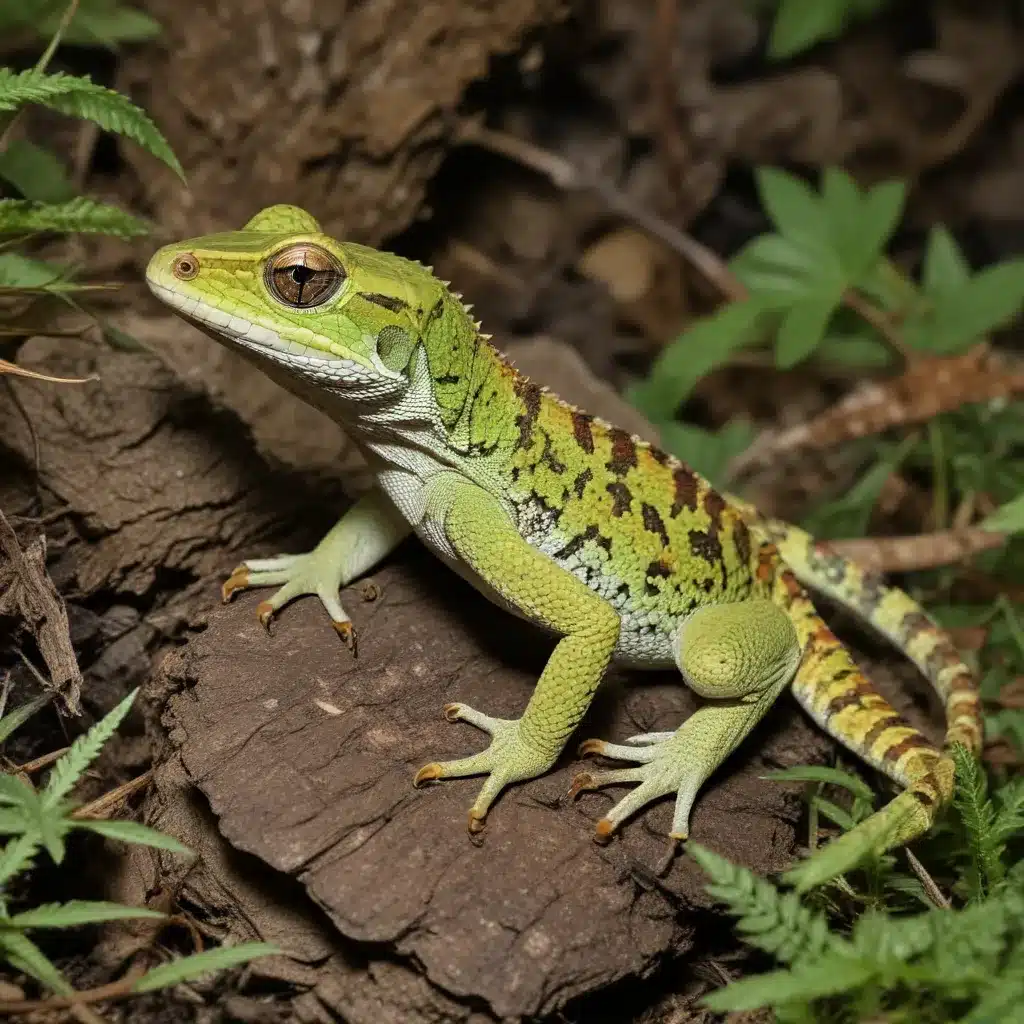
pixel 739 657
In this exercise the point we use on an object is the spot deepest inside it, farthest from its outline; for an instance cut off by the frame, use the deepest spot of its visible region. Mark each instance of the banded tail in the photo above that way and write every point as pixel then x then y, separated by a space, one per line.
pixel 840 698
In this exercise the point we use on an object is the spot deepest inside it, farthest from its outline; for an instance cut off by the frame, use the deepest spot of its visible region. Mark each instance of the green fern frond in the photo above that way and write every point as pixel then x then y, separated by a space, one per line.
pixel 773 921
pixel 81 97
pixel 970 798
pixel 24 955
pixel 187 968
pixel 76 912
pixel 16 856
pixel 67 771
pixel 22 216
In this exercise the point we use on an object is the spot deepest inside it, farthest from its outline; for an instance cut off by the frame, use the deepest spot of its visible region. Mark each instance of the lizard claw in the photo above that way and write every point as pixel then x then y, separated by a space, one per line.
pixel 238 580
pixel 265 612
pixel 347 632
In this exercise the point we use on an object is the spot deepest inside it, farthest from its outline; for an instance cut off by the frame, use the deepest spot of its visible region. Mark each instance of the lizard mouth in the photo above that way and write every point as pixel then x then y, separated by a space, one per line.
pixel 236 330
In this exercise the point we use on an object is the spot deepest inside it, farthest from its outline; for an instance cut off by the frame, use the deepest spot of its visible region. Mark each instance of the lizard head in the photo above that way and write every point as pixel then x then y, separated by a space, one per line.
pixel 316 312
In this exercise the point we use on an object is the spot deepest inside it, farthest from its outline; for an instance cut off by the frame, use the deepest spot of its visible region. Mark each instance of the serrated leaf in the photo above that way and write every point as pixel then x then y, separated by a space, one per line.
pixel 81 215
pixel 24 955
pixel 131 832
pixel 189 967
pixel 792 205
pixel 709 452
pixel 707 345
pixel 81 97
pixel 16 856
pixel 945 267
pixel 35 172
pixel 831 975
pixel 20 715
pixel 15 790
pixel 74 913
pixel 824 774
pixel 802 328
pixel 67 771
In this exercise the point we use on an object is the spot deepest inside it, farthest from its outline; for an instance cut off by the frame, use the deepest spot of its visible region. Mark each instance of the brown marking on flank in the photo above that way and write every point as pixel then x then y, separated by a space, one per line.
pixel 582 432
pixel 685 483
pixel 658 569
pixel 391 302
pixel 767 559
pixel 853 697
pixel 623 457
pixel 576 543
pixel 913 623
pixel 653 522
pixel 706 546
pixel 579 485
pixel 662 458
pixel 622 498
pixel 529 394
pixel 741 541
pixel 548 457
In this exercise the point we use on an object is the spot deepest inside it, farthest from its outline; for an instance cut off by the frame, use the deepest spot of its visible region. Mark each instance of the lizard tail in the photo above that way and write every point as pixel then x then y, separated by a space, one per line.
pixel 842 700
pixel 891 612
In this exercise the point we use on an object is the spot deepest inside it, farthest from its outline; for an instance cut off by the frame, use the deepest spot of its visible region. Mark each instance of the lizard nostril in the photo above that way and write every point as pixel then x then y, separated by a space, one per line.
pixel 185 266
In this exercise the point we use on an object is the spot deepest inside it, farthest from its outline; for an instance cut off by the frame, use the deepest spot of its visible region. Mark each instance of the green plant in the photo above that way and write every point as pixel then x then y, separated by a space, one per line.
pixel 45 201
pixel 800 24
pixel 42 820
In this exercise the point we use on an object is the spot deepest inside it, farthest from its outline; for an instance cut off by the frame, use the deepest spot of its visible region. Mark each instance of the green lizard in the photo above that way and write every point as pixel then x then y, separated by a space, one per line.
pixel 566 521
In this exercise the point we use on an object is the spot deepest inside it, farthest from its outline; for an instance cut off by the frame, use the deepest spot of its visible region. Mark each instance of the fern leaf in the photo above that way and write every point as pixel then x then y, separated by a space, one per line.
pixel 24 955
pixel 19 716
pixel 35 172
pixel 132 832
pixel 188 967
pixel 86 216
pixel 979 822
pixel 81 97
pixel 76 912
pixel 83 752
pixel 16 856
pixel 828 976
pixel 773 921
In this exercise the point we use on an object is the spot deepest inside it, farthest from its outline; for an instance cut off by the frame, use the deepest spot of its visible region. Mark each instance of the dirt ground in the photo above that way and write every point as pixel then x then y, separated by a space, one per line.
pixel 284 761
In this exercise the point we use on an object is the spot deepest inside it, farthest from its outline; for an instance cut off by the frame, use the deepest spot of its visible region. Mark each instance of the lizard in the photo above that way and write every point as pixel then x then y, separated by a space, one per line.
pixel 617 548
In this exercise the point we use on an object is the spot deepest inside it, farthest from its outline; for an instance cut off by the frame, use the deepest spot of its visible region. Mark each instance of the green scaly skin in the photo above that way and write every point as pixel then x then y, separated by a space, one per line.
pixel 581 528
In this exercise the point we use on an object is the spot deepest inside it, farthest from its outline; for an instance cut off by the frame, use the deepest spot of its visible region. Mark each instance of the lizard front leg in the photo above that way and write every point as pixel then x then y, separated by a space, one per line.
pixel 486 540
pixel 370 530
pixel 739 657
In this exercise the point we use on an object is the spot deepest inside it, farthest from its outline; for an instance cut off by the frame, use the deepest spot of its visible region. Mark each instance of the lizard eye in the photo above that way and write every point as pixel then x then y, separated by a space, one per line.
pixel 302 276
pixel 185 266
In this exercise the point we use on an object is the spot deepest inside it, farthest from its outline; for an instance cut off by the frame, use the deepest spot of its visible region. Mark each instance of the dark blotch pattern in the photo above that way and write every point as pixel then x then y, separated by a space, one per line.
pixel 622 498
pixel 623 457
pixel 684 483
pixel 653 522
pixel 396 305
pixel 582 432
pixel 529 394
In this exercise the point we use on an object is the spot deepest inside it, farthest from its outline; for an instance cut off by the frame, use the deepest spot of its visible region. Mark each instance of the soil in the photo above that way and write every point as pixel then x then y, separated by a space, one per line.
pixel 281 760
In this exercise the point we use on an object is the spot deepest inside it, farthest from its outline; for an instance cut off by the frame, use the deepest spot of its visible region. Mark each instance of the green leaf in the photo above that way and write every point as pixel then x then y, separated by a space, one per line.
pixel 1008 518
pixel 15 790
pixel 708 452
pixel 945 268
pixel 131 832
pixel 773 921
pixel 24 955
pixel 960 317
pixel 35 172
pixel 803 327
pixel 978 816
pixel 16 856
pixel 792 205
pixel 710 343
pixel 189 967
pixel 864 241
pixel 17 271
pixel 19 716
pixel 799 24
pixel 22 216
pixel 83 752
pixel 779 271
pixel 829 976
pixel 107 23
pixel 81 97
pixel 76 912
pixel 824 774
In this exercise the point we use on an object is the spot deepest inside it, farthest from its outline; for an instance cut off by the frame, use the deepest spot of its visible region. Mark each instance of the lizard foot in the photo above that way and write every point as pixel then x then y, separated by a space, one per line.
pixel 664 763
pixel 509 758
pixel 295 576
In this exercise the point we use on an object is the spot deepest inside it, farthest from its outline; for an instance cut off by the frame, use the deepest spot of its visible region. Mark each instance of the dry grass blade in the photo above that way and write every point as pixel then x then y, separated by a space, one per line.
pixel 924 551
pixel 927 388
pixel 20 371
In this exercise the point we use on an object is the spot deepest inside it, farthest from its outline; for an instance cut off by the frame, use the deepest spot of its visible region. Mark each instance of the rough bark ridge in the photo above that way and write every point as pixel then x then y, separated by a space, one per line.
pixel 348 107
